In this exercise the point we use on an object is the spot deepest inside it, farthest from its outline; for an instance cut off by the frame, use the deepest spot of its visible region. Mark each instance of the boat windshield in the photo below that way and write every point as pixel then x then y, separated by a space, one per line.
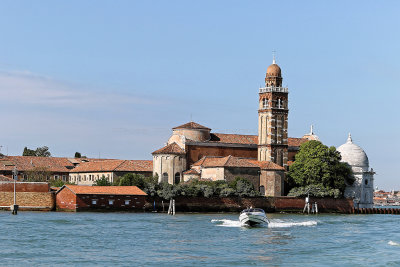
pixel 253 210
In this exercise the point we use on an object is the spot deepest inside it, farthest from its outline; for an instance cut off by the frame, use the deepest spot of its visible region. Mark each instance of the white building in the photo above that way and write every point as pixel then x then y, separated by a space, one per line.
pixel 362 190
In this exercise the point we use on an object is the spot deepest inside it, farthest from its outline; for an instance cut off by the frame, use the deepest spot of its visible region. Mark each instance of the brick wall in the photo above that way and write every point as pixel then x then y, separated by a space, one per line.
pixel 24 187
pixel 29 200
pixel 343 205
pixel 236 204
pixel 66 200
pixel 85 202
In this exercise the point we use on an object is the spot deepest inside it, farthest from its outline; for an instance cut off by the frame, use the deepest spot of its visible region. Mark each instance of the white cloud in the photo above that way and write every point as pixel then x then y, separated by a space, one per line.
pixel 24 87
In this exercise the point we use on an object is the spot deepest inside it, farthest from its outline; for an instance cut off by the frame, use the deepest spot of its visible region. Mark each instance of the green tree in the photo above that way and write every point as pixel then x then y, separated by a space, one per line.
pixel 78 155
pixel 103 181
pixel 39 152
pixel 319 165
pixel 42 152
pixel 28 152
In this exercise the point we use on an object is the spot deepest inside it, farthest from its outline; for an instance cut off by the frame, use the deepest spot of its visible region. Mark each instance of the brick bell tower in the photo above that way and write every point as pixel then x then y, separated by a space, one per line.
pixel 273 118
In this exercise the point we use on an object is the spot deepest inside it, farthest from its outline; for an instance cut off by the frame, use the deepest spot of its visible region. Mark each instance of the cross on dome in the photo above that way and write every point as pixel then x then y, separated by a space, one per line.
pixel 349 139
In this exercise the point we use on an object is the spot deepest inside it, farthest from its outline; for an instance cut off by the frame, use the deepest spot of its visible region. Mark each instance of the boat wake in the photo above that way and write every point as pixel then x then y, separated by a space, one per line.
pixel 283 224
pixel 227 223
pixel 392 243
pixel 272 224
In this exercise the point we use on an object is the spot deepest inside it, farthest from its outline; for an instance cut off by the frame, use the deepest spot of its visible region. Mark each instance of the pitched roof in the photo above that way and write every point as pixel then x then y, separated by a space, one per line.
pixel 231 161
pixel 234 138
pixel 191 171
pixel 267 165
pixel 249 139
pixel 191 125
pixel 228 161
pixel 104 190
pixel 172 148
pixel 115 165
pixel 25 163
pixel 296 141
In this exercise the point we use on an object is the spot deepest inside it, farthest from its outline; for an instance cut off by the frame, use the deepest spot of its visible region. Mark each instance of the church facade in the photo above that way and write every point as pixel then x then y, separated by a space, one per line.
pixel 194 152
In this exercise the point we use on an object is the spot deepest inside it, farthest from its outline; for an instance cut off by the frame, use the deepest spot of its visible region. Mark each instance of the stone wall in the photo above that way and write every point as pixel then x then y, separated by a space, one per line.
pixel 29 196
pixel 29 200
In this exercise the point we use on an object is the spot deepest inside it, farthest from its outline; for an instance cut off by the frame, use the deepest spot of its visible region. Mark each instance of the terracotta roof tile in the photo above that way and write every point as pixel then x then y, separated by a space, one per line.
pixel 234 138
pixel 249 139
pixel 115 165
pixel 191 125
pixel 172 148
pixel 267 165
pixel 296 141
pixel 24 163
pixel 136 165
pixel 228 161
pixel 191 171
pixel 104 190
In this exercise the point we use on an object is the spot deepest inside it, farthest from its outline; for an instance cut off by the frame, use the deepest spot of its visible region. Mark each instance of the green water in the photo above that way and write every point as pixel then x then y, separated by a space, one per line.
pixel 151 239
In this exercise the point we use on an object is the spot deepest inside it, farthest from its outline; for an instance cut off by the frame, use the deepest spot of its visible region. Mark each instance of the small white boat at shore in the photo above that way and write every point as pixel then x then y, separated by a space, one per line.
pixel 253 216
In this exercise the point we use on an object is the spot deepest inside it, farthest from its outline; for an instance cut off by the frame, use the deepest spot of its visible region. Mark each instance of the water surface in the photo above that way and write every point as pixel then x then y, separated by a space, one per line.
pixel 138 239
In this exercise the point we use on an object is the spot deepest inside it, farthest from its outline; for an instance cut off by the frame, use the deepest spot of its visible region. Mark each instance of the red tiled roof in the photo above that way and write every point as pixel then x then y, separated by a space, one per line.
pixel 191 125
pixel 228 161
pixel 248 139
pixel 234 138
pixel 25 163
pixel 191 171
pixel 267 165
pixel 173 148
pixel 115 165
pixel 104 190
pixel 136 165
pixel 296 141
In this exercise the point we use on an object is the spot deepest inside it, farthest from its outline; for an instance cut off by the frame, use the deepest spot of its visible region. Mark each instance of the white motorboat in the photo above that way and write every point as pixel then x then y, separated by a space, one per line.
pixel 253 216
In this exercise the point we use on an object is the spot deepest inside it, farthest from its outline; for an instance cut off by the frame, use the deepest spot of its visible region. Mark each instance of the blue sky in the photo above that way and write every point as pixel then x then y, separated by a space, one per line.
pixel 113 77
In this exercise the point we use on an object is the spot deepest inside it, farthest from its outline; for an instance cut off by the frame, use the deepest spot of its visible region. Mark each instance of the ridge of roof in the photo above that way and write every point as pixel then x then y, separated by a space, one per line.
pixel 191 125
pixel 104 190
pixel 172 148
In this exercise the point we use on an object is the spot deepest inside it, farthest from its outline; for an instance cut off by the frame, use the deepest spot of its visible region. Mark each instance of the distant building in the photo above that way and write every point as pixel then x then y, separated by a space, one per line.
pixel 89 172
pixel 84 198
pixel 75 170
pixel 362 190
pixel 194 152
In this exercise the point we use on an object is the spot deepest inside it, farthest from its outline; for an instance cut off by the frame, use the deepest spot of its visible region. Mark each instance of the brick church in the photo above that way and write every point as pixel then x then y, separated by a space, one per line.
pixel 195 152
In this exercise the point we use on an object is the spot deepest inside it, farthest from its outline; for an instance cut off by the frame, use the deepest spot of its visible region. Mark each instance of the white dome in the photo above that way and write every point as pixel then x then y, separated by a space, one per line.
pixel 353 154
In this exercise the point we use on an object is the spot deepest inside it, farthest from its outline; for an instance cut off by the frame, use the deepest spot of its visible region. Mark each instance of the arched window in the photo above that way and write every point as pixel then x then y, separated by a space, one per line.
pixel 165 177
pixel 280 103
pixel 366 181
pixel 265 103
pixel 262 190
pixel 177 178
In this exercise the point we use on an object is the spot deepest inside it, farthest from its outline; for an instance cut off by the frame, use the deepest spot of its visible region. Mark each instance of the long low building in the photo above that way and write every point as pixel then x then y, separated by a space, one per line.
pixel 74 170
pixel 86 198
